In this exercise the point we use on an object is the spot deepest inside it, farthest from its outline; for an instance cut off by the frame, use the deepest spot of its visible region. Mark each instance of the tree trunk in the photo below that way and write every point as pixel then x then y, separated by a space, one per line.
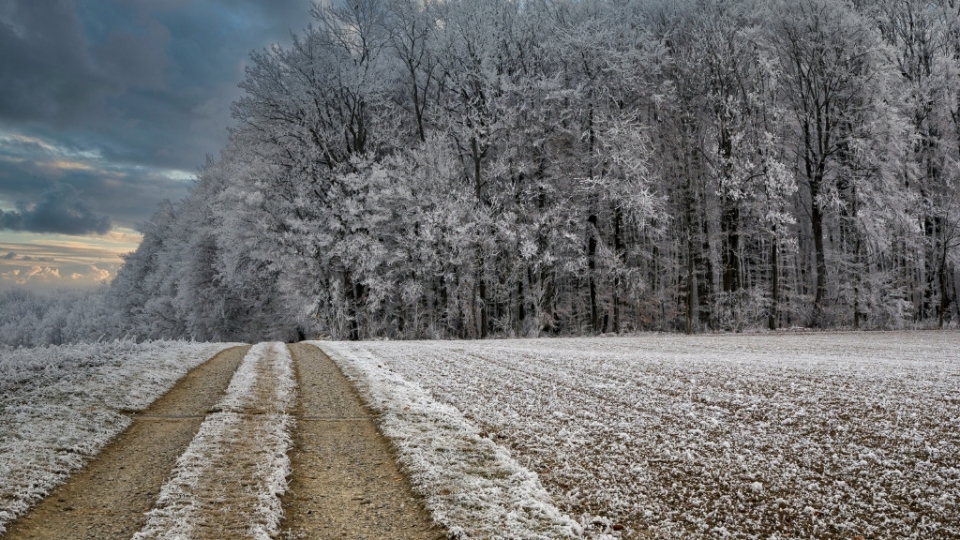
pixel 520 307
pixel 773 318
pixel 482 287
pixel 477 166
pixel 693 302
pixel 620 248
pixel 592 229
pixel 731 248
pixel 549 298
pixel 944 293
pixel 354 292
pixel 693 231
pixel 441 314
pixel 816 222
pixel 592 268
pixel 857 282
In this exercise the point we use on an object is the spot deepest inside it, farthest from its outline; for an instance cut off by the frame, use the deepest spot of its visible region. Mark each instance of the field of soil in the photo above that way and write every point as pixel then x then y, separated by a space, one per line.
pixel 839 435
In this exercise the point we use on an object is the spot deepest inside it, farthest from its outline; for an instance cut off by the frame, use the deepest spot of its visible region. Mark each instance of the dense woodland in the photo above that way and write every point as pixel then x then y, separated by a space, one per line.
pixel 475 168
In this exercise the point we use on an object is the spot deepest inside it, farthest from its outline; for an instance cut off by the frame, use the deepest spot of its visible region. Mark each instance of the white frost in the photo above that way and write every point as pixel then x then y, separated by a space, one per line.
pixel 799 436
pixel 233 473
pixel 472 486
pixel 60 405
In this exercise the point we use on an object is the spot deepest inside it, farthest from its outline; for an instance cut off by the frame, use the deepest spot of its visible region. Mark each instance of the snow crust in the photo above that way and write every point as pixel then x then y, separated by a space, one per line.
pixel 60 405
pixel 665 436
pixel 472 486
pixel 231 477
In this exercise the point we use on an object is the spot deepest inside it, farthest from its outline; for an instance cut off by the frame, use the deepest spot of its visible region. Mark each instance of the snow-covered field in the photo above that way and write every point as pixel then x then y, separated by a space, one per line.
pixel 665 436
pixel 60 405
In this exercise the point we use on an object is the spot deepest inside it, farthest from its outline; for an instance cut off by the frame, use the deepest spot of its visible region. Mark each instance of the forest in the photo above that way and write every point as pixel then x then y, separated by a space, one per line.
pixel 480 168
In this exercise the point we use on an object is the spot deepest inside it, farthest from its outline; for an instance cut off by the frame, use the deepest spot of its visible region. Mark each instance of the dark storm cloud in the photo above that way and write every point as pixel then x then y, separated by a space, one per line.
pixel 45 71
pixel 60 210
pixel 151 82
pixel 114 97
pixel 129 194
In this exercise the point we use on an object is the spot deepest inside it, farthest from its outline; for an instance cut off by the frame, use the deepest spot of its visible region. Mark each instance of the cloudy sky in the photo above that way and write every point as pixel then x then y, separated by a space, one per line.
pixel 107 107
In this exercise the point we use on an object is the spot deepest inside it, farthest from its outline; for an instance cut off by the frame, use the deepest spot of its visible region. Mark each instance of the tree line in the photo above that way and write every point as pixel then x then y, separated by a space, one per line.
pixel 475 168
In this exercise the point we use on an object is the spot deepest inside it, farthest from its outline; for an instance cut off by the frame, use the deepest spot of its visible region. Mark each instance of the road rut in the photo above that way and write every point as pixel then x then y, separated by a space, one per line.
pixel 345 481
pixel 107 499
pixel 226 484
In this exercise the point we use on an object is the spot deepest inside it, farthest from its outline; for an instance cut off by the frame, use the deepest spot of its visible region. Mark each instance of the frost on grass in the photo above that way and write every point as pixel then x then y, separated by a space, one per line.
pixel 472 486
pixel 60 405
pixel 770 436
pixel 228 482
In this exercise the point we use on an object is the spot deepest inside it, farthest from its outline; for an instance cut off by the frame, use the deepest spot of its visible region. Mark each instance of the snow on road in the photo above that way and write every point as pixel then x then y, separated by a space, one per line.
pixel 472 487
pixel 228 482
pixel 766 436
pixel 60 405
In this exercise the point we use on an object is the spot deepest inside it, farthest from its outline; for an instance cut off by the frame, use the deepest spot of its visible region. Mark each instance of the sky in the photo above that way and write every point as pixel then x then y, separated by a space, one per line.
pixel 108 107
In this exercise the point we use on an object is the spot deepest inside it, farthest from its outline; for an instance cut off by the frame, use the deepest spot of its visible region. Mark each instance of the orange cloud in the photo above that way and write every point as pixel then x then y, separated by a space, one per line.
pixel 33 274
pixel 46 275
pixel 93 274
pixel 65 165
pixel 44 272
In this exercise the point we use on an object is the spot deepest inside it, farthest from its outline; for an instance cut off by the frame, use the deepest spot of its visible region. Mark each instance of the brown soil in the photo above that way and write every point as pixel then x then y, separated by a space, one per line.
pixel 227 477
pixel 108 497
pixel 344 484
pixel 345 481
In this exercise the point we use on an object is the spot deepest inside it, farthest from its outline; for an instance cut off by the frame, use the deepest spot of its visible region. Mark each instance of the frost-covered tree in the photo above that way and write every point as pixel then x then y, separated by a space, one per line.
pixel 473 168
pixel 835 84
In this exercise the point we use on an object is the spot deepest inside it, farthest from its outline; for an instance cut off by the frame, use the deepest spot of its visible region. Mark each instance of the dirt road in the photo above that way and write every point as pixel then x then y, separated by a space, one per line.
pixel 344 481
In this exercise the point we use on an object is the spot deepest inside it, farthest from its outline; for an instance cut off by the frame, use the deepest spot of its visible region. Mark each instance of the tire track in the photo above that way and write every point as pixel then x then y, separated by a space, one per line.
pixel 345 481
pixel 228 482
pixel 107 499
